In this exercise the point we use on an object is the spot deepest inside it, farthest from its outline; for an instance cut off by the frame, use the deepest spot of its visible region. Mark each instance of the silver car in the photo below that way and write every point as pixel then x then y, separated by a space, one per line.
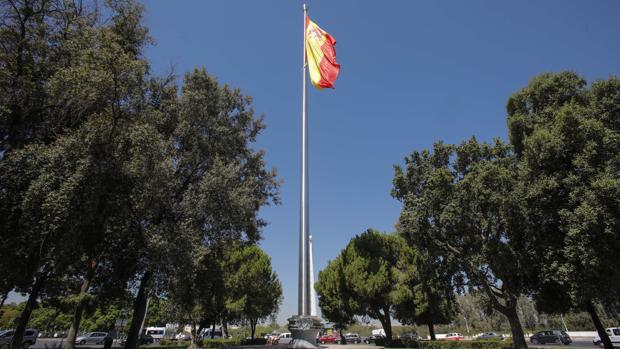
pixel 30 337
pixel 91 338
pixel 490 335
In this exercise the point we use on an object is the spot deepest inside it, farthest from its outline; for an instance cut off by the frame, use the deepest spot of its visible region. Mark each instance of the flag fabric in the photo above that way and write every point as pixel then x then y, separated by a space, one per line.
pixel 321 56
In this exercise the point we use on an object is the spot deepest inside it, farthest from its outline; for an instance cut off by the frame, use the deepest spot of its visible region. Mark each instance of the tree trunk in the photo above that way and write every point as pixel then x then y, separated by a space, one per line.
pixel 386 322
pixel 598 325
pixel 5 295
pixel 79 307
pixel 518 337
pixel 195 331
pixel 225 328
pixel 24 317
pixel 213 330
pixel 431 331
pixel 253 328
pixel 342 339
pixel 139 311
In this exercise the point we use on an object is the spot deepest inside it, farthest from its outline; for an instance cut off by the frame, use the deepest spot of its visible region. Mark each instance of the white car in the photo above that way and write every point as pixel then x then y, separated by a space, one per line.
pixel 183 336
pixel 285 338
pixel 614 336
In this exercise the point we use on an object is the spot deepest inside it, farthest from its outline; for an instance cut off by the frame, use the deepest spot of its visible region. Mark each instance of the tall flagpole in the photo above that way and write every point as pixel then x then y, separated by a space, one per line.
pixel 304 226
pixel 304 326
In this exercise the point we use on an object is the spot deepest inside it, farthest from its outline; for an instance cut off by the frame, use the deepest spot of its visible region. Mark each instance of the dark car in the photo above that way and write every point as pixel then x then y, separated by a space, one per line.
pixel 408 336
pixel 352 338
pixel 144 339
pixel 564 337
pixel 550 336
pixel 373 338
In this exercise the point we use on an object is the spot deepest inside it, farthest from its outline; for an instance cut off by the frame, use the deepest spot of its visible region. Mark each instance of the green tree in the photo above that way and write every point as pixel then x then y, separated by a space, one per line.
pixel 429 297
pixel 253 290
pixel 566 136
pixel 212 195
pixel 462 204
pixel 366 279
pixel 71 89
pixel 332 291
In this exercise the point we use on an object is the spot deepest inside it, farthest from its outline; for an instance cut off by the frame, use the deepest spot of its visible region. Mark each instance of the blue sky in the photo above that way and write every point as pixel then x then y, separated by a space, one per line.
pixel 412 73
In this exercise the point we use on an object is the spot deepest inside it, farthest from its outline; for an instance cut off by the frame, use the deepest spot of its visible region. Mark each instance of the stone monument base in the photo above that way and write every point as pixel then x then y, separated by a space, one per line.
pixel 304 330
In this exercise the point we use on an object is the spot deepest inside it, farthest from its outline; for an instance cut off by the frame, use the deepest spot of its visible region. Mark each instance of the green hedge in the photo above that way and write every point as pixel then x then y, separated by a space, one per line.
pixel 442 344
pixel 255 341
pixel 220 343
pixel 174 343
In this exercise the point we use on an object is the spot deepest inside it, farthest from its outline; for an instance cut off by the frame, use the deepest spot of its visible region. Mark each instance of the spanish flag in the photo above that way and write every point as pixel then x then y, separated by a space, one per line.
pixel 321 56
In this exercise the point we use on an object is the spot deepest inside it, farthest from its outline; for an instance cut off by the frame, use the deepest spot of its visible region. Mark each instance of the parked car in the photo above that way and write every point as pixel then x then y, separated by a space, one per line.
pixel 284 338
pixel 564 337
pixel 144 339
pixel 216 334
pixel 454 337
pixel 614 336
pixel 549 336
pixel 157 333
pixel 91 338
pixel 272 337
pixel 30 337
pixel 408 336
pixel 352 338
pixel 489 335
pixel 183 336
pixel 329 339
pixel 372 338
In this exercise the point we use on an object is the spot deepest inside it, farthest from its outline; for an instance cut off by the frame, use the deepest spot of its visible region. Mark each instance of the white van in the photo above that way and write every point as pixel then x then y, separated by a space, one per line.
pixel 157 333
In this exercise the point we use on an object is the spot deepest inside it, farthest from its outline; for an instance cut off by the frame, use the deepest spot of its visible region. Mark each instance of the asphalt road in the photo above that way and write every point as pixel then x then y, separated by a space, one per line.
pixel 52 343
pixel 577 343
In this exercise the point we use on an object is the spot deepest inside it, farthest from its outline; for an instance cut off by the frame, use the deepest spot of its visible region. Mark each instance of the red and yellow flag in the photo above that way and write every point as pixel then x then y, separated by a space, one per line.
pixel 321 56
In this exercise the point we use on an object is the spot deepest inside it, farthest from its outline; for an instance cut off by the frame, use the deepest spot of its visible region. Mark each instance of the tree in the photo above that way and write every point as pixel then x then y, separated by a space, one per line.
pixel 334 302
pixel 428 294
pixel 210 194
pixel 366 279
pixel 70 206
pixel 253 290
pixel 461 203
pixel 567 139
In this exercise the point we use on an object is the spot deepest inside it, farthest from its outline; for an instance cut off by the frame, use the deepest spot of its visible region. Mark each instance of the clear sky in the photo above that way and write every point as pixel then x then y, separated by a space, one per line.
pixel 412 73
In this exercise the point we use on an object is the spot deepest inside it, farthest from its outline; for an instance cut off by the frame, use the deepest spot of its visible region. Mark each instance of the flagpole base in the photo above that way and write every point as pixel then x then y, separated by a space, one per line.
pixel 304 330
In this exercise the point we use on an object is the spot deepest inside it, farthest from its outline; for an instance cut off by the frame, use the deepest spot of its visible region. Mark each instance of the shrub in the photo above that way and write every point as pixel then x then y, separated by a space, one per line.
pixel 220 343
pixel 475 344
pixel 255 341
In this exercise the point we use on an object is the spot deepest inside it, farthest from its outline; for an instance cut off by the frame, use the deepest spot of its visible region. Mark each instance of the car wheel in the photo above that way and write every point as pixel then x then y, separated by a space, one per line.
pixel 322 342
pixel 25 345
pixel 82 342
pixel 534 341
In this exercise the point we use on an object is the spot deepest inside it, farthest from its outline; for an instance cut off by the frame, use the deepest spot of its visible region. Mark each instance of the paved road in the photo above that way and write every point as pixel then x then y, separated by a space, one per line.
pixel 53 343
pixel 577 343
